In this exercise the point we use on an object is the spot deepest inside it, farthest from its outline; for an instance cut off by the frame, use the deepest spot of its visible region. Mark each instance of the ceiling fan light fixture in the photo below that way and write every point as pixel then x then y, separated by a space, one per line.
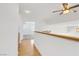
pixel 66 8
pixel 66 11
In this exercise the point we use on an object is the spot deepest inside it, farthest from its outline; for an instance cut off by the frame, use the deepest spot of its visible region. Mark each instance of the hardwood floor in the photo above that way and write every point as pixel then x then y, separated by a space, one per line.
pixel 36 52
pixel 26 48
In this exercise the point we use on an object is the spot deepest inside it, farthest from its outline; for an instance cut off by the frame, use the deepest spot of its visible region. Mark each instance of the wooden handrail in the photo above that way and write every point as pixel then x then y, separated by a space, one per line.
pixel 61 36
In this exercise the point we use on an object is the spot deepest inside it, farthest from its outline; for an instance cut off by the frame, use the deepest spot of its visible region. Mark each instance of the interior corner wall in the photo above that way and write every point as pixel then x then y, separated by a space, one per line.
pixel 20 28
pixel 9 29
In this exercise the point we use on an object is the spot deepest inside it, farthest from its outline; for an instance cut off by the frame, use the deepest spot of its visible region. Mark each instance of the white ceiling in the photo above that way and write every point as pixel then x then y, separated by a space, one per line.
pixel 43 12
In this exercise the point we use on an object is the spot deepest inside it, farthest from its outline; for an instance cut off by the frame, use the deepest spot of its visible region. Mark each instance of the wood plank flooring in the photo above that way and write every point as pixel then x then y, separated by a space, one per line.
pixel 26 48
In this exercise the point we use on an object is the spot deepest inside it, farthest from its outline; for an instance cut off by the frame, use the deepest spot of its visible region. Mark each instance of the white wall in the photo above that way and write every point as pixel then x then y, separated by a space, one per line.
pixel 9 22
pixel 62 28
pixel 28 28
pixel 50 45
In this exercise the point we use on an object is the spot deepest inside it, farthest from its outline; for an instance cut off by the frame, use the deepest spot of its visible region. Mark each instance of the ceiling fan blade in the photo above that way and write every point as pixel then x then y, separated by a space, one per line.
pixel 57 11
pixel 74 6
pixel 61 13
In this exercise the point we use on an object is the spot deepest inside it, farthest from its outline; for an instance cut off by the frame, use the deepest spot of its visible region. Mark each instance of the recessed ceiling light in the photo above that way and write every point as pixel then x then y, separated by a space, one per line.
pixel 27 11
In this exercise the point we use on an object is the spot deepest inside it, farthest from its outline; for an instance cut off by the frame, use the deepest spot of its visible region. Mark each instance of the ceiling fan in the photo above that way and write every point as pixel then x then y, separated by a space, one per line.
pixel 66 8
